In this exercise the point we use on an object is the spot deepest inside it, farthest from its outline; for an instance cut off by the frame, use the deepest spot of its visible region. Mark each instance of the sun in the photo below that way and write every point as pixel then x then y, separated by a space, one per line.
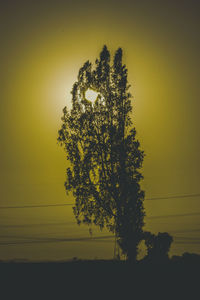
pixel 91 95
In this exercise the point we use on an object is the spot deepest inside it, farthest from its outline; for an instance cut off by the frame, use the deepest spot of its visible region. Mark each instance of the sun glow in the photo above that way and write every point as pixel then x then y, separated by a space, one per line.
pixel 91 95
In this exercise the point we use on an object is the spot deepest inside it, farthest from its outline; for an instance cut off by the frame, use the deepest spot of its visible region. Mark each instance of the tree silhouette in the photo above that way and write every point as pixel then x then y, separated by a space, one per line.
pixel 100 143
pixel 158 245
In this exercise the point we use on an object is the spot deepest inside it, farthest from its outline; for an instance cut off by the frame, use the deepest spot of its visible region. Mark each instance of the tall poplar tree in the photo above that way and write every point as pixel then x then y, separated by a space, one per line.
pixel 104 154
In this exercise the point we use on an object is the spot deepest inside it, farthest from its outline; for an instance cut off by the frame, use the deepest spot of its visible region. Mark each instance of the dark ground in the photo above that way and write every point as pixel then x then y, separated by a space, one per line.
pixel 177 279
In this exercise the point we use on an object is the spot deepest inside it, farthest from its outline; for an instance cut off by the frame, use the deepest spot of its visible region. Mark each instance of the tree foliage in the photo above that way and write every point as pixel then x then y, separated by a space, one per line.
pixel 105 156
pixel 158 245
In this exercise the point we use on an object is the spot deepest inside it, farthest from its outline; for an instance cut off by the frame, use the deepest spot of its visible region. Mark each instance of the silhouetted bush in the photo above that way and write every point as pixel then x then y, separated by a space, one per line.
pixel 157 246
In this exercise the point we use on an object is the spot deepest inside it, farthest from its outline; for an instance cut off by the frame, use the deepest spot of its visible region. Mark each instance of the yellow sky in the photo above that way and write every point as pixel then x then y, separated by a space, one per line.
pixel 43 45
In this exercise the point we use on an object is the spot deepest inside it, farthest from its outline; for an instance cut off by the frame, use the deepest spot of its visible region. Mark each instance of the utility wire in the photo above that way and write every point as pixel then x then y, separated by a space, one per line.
pixel 56 240
pixel 65 239
pixel 178 240
pixel 36 224
pixel 73 223
pixel 71 239
pixel 175 197
pixel 70 204
pixel 177 215
pixel 37 206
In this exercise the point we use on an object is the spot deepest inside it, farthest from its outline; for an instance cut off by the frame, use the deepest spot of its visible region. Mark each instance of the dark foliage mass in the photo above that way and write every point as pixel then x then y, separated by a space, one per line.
pixel 157 246
pixel 105 156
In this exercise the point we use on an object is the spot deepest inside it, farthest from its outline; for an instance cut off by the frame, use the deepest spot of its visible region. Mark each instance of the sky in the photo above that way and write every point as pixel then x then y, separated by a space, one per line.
pixel 43 45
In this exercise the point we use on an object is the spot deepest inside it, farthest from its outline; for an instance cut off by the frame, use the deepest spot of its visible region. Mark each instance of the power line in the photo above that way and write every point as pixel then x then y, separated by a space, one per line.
pixel 186 238
pixel 56 240
pixel 70 204
pixel 178 240
pixel 36 238
pixel 73 223
pixel 177 215
pixel 174 197
pixel 184 231
pixel 37 206
pixel 36 225
pixel 188 242
pixel 70 239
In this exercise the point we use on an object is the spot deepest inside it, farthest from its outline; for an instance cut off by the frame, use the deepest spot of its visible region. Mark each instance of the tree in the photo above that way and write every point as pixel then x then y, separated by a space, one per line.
pixel 158 245
pixel 105 156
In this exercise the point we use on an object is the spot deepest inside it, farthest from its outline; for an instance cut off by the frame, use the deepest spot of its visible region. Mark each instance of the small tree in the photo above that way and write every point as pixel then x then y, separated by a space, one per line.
pixel 158 245
pixel 100 143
